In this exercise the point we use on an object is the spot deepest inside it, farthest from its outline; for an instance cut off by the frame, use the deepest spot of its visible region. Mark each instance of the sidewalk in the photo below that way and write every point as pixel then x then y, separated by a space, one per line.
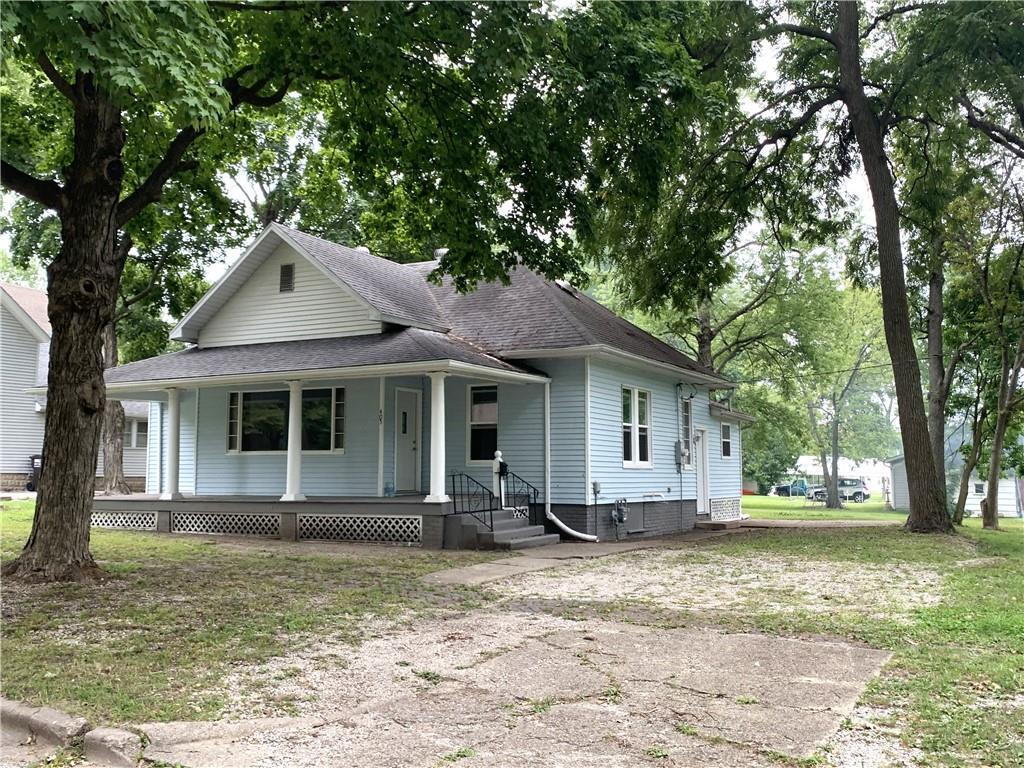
pixel 556 556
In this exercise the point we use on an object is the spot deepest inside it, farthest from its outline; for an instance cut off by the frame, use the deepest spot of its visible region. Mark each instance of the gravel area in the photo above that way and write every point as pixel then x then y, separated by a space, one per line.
pixel 694 581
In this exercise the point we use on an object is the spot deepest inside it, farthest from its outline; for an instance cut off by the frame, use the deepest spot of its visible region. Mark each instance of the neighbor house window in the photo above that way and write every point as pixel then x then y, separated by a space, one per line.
pixel 141 434
pixel 286 283
pixel 979 488
pixel 686 414
pixel 726 440
pixel 135 433
pixel 636 427
pixel 258 421
pixel 483 423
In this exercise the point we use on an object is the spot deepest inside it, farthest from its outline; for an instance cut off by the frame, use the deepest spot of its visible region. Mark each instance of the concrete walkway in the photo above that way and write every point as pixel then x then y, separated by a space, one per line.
pixel 556 556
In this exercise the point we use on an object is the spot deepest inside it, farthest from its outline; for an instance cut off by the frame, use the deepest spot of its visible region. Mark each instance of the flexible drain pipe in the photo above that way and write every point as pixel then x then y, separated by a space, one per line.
pixel 547 472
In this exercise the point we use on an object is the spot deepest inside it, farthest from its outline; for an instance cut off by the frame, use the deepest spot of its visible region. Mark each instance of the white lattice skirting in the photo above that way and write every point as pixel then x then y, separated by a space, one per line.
pixel 381 529
pixel 726 509
pixel 136 521
pixel 226 523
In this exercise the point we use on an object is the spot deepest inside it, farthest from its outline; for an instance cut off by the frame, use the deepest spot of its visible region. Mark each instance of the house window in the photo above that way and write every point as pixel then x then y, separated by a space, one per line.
pixel 979 488
pixel 636 427
pixel 686 413
pixel 286 283
pixel 135 434
pixel 726 441
pixel 141 434
pixel 483 423
pixel 258 421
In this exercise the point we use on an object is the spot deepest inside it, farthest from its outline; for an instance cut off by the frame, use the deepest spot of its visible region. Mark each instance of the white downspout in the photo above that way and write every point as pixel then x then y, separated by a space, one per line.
pixel 547 472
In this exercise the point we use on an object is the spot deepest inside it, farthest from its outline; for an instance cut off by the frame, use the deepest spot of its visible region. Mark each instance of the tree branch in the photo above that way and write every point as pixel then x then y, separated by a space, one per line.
pixel 48 194
pixel 1002 136
pixel 55 77
pixel 798 29
pixel 884 17
pixel 150 189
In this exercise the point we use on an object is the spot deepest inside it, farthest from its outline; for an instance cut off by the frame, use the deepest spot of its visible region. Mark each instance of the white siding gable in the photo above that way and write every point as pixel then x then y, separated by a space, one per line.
pixel 21 425
pixel 259 312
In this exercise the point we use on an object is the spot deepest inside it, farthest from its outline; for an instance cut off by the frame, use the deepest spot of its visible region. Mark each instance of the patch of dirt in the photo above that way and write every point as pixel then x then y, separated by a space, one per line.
pixel 694 582
pixel 870 741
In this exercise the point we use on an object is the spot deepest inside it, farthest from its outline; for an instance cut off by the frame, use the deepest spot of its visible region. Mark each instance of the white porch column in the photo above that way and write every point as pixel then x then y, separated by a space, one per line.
pixel 437 440
pixel 173 444
pixel 293 482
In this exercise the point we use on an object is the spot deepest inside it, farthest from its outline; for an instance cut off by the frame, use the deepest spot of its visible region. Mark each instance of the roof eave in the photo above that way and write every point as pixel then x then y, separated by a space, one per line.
pixel 23 317
pixel 441 365
pixel 603 350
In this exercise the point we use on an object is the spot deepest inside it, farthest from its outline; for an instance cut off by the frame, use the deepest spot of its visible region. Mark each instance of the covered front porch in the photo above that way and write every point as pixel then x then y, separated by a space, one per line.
pixel 354 455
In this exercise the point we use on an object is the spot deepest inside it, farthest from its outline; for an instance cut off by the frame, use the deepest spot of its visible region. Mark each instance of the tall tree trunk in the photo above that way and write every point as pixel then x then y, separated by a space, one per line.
pixel 970 464
pixel 113 426
pixel 927 502
pixel 832 500
pixel 937 373
pixel 1009 373
pixel 705 335
pixel 82 286
pixel 826 476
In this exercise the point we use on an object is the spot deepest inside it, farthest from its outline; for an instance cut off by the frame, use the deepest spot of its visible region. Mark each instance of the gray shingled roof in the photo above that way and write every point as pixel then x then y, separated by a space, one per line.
pixel 391 288
pixel 32 302
pixel 401 346
pixel 534 313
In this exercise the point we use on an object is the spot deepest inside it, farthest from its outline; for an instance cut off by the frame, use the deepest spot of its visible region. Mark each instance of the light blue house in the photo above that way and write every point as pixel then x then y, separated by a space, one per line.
pixel 329 393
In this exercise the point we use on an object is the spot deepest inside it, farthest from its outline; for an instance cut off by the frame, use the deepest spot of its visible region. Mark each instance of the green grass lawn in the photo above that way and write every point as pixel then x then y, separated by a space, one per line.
pixel 956 679
pixel 796 508
pixel 155 640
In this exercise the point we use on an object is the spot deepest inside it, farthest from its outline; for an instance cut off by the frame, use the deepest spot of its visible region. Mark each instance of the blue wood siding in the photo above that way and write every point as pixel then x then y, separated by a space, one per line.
pixel 568 413
pixel 662 477
pixel 323 474
pixel 520 430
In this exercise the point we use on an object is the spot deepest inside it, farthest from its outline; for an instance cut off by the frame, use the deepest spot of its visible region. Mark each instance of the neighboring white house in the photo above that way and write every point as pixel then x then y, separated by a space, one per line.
pixel 1011 493
pixel 330 393
pixel 24 357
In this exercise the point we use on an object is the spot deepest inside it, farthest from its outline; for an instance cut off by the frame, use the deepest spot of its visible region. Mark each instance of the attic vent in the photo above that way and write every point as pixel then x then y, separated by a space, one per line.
pixel 565 286
pixel 287 282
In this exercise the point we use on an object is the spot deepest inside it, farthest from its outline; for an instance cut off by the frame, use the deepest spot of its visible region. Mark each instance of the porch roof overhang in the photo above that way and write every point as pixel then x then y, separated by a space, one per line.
pixel 409 351
pixel 726 413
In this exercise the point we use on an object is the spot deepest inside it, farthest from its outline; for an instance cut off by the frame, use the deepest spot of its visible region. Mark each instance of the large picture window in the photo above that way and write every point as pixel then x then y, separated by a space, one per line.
pixel 636 427
pixel 483 423
pixel 258 421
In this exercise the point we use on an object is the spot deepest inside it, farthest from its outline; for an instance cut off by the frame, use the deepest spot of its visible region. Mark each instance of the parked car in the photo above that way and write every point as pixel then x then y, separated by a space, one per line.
pixel 850 489
pixel 794 488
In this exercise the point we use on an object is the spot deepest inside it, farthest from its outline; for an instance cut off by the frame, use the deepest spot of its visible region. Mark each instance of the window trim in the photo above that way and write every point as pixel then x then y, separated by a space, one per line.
pixel 133 434
pixel 723 440
pixel 239 393
pixel 635 425
pixel 686 429
pixel 470 461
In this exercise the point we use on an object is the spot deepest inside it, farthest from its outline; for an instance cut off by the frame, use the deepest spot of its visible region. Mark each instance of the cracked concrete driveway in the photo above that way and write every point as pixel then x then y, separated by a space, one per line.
pixel 505 687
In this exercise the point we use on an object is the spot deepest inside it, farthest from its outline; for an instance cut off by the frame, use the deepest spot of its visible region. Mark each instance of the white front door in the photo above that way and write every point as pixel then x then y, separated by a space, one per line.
pixel 407 433
pixel 700 465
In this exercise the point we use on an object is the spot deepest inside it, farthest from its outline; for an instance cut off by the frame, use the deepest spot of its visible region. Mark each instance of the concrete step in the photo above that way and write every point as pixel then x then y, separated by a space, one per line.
pixel 503 525
pixel 718 525
pixel 489 538
pixel 533 541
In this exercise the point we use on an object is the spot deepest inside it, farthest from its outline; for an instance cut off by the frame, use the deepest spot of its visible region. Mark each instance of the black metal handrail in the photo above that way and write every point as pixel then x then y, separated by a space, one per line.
pixel 520 495
pixel 471 497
